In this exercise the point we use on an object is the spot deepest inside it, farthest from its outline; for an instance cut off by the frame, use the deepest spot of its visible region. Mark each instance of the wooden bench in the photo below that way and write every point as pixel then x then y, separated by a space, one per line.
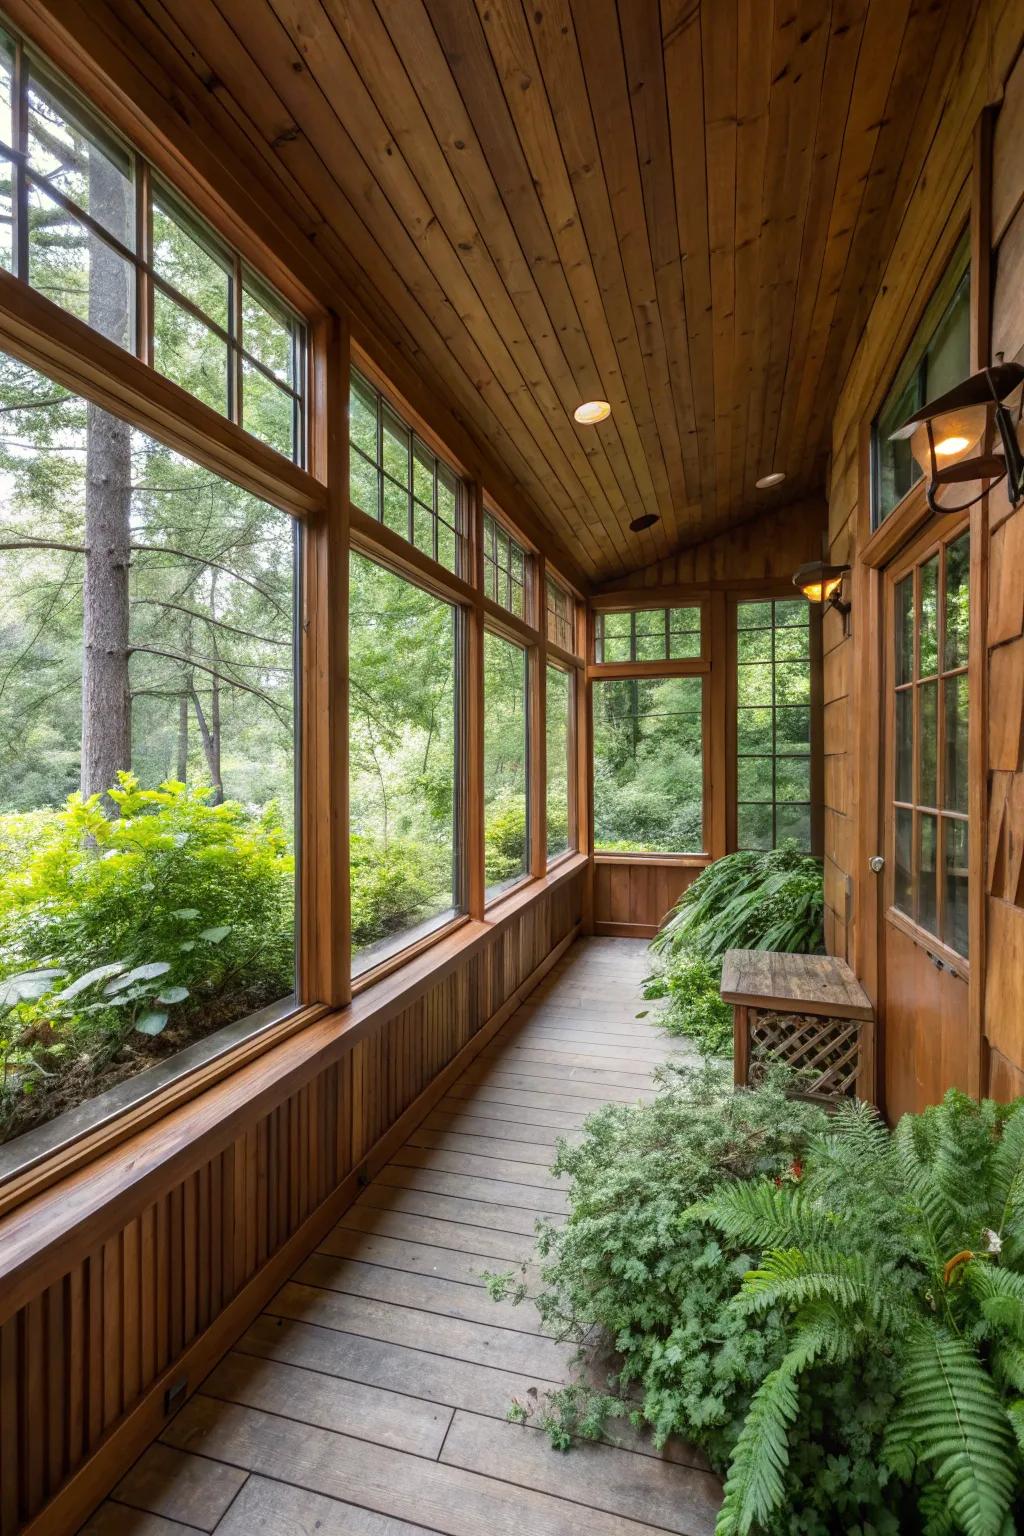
pixel 807 1011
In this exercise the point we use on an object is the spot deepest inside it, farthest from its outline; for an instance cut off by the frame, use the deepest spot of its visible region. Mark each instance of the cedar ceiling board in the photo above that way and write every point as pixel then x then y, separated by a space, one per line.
pixel 683 203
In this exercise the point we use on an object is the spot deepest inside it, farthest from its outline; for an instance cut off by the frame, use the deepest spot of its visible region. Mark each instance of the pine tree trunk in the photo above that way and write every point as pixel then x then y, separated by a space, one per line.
pixel 181 761
pixel 106 697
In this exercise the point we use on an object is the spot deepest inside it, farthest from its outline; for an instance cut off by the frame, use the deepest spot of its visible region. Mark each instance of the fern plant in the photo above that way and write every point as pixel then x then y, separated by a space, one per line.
pixel 907 1246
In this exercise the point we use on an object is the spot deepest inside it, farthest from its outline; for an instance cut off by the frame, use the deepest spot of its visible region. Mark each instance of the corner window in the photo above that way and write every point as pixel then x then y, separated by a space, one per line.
pixel 505 568
pixel 648 765
pixel 403 650
pixel 398 481
pixel 938 358
pixel 773 724
pixel 560 762
pixel 506 775
pixel 648 634
pixel 147 752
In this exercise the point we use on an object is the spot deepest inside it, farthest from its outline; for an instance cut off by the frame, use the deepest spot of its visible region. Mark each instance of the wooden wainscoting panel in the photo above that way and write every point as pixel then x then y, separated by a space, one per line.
pixel 633 898
pixel 85 1362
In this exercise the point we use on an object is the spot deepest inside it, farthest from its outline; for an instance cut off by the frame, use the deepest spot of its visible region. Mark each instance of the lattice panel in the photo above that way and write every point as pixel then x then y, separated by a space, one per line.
pixel 826 1051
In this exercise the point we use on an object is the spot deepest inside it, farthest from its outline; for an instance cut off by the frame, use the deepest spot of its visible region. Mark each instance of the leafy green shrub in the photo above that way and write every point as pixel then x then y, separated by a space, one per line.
pixel 393 885
pixel 175 911
pixel 906 1247
pixel 751 900
pixel 838 1322
pixel 504 838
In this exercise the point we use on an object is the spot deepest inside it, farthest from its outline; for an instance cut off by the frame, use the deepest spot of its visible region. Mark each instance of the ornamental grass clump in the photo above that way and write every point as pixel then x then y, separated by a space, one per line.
pixel 751 900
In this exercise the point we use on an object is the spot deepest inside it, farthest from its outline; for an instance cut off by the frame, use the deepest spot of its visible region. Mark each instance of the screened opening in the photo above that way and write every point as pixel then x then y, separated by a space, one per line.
pixel 773 724
pixel 506 775
pixel 560 762
pixel 147 752
pixel 400 482
pixel 505 566
pixel 648 765
pixel 403 762
pixel 938 358
pixel 648 634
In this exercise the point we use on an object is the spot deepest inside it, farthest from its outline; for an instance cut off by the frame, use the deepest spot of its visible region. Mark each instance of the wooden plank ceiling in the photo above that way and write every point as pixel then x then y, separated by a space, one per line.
pixel 680 207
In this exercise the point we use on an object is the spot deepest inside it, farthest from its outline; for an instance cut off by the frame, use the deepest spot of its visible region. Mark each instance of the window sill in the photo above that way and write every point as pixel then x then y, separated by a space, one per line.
pixel 673 860
pixel 173 1127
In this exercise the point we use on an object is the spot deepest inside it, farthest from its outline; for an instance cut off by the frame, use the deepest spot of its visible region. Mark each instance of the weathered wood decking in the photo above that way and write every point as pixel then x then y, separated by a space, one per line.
pixel 370 1398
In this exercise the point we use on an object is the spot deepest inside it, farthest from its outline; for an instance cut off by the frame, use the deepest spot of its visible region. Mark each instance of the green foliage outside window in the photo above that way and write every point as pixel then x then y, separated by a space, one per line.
pixel 648 765
pixel 402 758
pixel 506 824
pixel 558 758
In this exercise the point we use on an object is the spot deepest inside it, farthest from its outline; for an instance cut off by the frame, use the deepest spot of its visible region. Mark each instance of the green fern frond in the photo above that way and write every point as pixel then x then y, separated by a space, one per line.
pixel 793 1277
pixel 1008 1363
pixel 754 1485
pixel 1000 1294
pixel 761 1215
pixel 1008 1169
pixel 1015 1414
pixel 959 1425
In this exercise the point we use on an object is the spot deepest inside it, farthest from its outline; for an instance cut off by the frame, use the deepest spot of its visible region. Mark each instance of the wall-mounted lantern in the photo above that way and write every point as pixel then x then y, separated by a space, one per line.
pixel 823 584
pixel 947 438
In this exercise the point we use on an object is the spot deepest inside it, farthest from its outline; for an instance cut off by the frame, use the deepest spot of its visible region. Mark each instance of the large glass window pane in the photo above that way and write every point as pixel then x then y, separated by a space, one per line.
pixel 71 153
pixel 195 267
pixel 77 269
pixel 648 765
pixel 506 737
pixel 561 834
pixel 773 724
pixel 188 352
pixel 955 915
pixel 505 566
pixel 147 802
pixel 937 359
pixel 402 762
pixel 649 634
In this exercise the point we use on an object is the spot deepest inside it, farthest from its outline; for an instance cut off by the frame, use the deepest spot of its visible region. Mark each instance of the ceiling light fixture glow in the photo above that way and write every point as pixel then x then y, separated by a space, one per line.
pixel 767 481
pixel 591 412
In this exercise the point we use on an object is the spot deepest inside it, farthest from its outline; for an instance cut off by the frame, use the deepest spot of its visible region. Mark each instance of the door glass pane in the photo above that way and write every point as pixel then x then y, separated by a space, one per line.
pixel 506 823
pixel 954 870
pixel 904 744
pixel 927 787
pixel 955 770
pixel 958 557
pixel 905 630
pixel 927 895
pixel 903 884
pixel 928 640
pixel 561 835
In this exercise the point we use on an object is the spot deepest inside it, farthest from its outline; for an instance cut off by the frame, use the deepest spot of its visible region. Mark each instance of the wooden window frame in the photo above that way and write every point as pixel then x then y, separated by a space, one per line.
pixel 572 829
pixel 601 612
pixel 502 575
pixel 150 187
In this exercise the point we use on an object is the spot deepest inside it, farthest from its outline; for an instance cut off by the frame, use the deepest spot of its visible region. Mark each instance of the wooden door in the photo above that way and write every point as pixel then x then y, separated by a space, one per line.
pixel 925 825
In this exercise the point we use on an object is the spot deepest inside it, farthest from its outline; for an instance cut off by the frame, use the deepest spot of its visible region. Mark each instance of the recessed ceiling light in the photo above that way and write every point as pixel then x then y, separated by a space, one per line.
pixel 767 481
pixel 647 520
pixel 591 412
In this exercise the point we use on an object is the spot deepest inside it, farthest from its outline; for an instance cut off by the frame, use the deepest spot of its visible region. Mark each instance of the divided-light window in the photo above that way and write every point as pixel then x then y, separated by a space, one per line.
pixel 648 634
pixel 505 566
pixel 148 651
pixel 773 724
pixel 403 762
pixel 506 763
pixel 648 765
pixel 400 482
pixel 560 759
pixel 74 231
pixel 938 358
pixel 559 615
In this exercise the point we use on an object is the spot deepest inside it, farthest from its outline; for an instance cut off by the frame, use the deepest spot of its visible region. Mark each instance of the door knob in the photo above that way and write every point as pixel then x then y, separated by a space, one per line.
pixel 876 863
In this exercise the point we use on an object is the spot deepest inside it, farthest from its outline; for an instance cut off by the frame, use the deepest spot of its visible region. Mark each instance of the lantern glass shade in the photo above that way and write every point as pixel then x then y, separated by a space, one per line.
pixel 821 591
pixel 953 438
pixel 818 582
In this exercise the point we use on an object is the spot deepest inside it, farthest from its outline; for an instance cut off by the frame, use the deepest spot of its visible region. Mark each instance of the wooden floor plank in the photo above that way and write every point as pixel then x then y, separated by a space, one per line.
pixel 310 1397
pixel 371 1396
pixel 430 1293
pixel 443 1498
pixel 479 1343
pixel 661 1493
pixel 397 1367
pixel 182 1487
